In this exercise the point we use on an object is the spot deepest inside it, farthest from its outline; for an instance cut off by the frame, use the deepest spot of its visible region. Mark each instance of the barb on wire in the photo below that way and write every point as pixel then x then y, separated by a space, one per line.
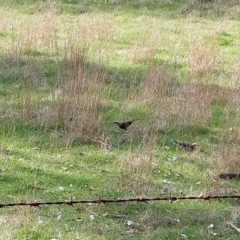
pixel 71 202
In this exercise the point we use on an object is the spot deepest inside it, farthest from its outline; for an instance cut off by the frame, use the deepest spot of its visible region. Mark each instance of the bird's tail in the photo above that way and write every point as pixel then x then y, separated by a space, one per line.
pixel 136 119
pixel 175 142
pixel 161 131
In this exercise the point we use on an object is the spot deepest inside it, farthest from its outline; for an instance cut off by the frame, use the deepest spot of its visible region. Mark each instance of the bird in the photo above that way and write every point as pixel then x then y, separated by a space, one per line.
pixel 125 125
pixel 228 176
pixel 189 147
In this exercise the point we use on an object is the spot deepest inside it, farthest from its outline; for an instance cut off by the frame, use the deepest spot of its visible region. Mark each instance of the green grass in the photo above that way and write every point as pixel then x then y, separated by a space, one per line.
pixel 68 69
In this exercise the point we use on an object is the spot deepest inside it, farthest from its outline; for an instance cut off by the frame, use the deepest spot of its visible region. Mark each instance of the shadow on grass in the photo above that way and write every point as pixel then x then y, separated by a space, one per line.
pixel 33 75
pixel 29 177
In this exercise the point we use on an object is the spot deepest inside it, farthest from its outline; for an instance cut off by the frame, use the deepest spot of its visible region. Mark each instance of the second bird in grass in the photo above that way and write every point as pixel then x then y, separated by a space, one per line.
pixel 189 147
pixel 125 125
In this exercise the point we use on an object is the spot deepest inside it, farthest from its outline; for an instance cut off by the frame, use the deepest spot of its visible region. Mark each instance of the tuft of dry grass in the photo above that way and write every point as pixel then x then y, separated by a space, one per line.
pixel 156 84
pixel 94 28
pixel 11 223
pixel 34 75
pixel 173 104
pixel 142 53
pixel 145 49
pixel 221 187
pixel 231 136
pixel 7 20
pixel 135 169
pixel 74 106
pixel 135 174
pixel 40 32
pixel 78 113
pixel 225 160
pixel 203 58
pixel 84 105
pixel 190 105
pixel 236 76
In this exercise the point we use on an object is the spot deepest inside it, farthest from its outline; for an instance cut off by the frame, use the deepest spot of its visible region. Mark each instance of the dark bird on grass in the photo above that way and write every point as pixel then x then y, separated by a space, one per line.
pixel 125 125
pixel 189 147
pixel 229 176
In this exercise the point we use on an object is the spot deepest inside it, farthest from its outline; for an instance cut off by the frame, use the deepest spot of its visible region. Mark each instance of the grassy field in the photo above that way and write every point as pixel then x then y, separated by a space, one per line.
pixel 69 69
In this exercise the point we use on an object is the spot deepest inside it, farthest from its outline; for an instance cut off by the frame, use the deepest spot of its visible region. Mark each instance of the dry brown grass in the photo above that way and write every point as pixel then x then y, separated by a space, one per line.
pixel 189 105
pixel 145 49
pixel 135 169
pixel 94 28
pixel 34 75
pixel 231 136
pixel 142 53
pixel 199 1
pixel 183 104
pixel 221 187
pixel 74 106
pixel 236 76
pixel 84 106
pixel 7 20
pixel 40 32
pixel 155 85
pixel 225 159
pixel 78 111
pixel 11 223
pixel 203 58
pixel 135 175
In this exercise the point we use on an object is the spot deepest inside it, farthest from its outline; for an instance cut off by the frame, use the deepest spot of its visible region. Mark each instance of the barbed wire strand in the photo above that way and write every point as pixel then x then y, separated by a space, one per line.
pixel 99 201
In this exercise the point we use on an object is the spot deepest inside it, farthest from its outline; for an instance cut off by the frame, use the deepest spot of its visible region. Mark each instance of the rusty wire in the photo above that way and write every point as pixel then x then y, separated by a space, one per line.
pixel 71 202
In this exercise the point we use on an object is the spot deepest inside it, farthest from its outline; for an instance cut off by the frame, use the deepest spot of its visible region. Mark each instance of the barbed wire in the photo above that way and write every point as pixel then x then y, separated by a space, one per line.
pixel 99 201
